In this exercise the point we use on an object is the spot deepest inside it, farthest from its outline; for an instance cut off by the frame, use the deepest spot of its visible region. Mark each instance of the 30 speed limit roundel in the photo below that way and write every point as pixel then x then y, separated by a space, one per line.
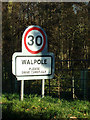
pixel 34 40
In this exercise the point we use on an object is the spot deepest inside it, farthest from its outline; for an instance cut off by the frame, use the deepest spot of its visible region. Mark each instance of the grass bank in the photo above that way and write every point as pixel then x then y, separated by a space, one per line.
pixel 34 107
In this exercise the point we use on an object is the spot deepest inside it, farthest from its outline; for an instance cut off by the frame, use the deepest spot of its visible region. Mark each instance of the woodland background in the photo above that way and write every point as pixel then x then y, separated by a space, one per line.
pixel 67 26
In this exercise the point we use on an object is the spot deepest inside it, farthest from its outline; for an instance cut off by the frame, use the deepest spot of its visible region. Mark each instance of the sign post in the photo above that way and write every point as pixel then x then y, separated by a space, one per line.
pixel 22 89
pixel 43 82
pixel 34 62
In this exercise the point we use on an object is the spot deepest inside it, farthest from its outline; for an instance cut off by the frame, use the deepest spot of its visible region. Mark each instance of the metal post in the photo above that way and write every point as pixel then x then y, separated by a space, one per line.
pixel 43 82
pixel 15 85
pixel 85 78
pixel 73 90
pixel 22 89
pixel 49 87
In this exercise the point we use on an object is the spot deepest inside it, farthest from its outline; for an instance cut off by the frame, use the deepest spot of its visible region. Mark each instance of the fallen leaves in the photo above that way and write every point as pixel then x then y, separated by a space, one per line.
pixel 73 117
pixel 28 109
pixel 0 102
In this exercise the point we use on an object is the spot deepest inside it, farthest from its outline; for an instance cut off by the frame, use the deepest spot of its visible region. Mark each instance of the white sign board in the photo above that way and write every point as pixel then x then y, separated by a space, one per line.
pixel 34 62
pixel 27 67
pixel 30 66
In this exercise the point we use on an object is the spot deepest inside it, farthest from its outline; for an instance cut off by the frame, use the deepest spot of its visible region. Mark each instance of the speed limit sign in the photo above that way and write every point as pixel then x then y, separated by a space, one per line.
pixel 34 40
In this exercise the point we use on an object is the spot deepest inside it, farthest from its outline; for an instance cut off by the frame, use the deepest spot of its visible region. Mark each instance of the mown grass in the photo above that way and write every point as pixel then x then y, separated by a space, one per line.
pixel 34 107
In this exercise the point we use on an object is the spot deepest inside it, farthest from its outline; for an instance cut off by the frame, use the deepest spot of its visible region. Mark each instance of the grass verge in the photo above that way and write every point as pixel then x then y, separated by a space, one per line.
pixel 36 108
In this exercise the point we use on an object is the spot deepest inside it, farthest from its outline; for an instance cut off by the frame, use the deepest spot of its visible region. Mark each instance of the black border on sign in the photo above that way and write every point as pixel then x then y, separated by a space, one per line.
pixel 35 56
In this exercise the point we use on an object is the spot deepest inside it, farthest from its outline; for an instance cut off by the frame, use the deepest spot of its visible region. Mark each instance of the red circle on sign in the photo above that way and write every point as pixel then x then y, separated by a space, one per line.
pixel 35 28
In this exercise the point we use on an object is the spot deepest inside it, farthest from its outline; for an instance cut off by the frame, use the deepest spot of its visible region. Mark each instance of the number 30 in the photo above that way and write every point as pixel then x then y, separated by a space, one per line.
pixel 38 40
